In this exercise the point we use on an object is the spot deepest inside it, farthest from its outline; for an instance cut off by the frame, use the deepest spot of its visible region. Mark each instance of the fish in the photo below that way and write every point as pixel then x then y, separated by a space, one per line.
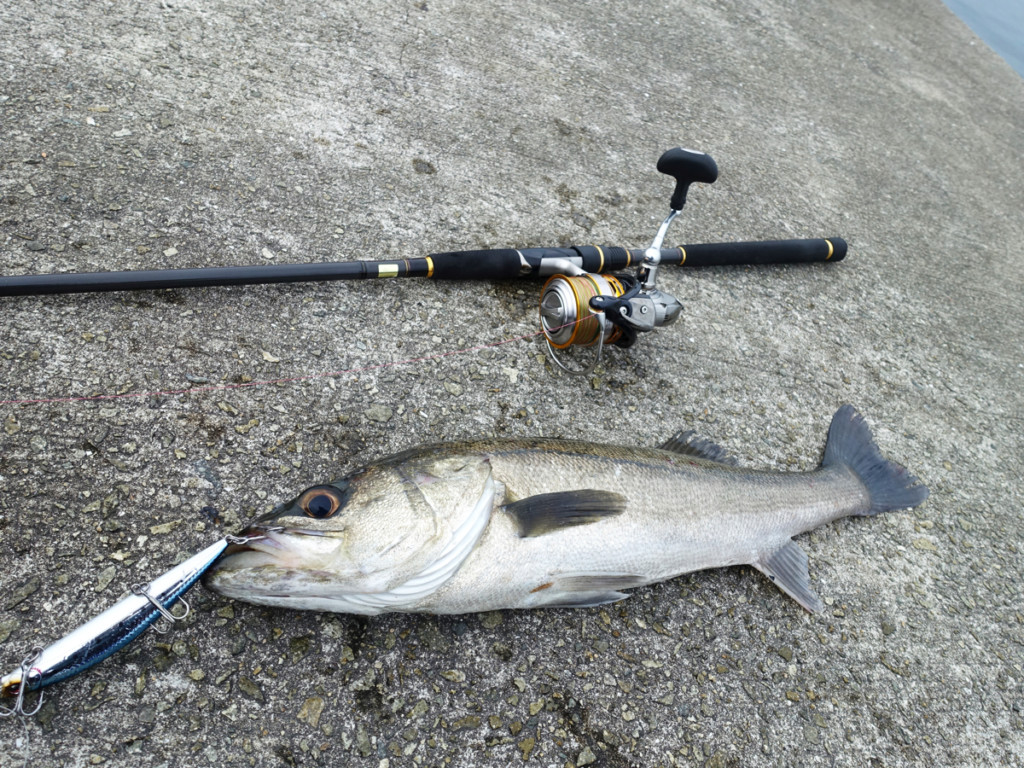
pixel 498 524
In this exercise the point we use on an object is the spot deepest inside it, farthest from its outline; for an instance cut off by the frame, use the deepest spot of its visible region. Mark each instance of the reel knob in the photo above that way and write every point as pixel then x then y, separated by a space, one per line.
pixel 687 166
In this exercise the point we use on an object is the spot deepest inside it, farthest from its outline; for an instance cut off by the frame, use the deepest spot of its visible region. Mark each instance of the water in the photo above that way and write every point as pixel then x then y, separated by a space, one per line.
pixel 1000 23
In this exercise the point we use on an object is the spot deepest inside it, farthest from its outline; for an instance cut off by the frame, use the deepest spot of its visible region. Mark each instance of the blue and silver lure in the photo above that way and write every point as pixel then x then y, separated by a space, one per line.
pixel 107 633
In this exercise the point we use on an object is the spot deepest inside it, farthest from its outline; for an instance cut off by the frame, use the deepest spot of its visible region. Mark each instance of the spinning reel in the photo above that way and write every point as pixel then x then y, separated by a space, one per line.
pixel 583 309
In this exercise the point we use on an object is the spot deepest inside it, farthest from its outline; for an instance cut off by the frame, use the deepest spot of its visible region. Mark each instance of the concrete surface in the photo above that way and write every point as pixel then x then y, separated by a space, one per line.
pixel 192 133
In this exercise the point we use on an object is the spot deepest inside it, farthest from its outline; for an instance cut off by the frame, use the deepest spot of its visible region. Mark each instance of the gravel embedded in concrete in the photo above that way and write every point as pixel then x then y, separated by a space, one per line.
pixel 192 134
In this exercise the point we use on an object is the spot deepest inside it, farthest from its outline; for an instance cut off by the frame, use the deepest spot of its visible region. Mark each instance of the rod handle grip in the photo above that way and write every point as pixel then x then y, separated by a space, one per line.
pixel 763 252
pixel 499 264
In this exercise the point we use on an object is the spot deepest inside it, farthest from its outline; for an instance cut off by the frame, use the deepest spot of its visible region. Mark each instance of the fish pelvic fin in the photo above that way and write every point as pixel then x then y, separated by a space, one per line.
pixel 889 484
pixel 584 590
pixel 586 600
pixel 787 569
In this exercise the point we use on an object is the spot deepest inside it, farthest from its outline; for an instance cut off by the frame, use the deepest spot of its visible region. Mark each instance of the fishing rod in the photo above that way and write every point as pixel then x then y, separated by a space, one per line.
pixel 587 300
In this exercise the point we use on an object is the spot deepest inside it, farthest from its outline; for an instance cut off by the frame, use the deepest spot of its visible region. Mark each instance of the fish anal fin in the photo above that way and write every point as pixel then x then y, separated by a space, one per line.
pixel 688 444
pixel 787 568
pixel 546 512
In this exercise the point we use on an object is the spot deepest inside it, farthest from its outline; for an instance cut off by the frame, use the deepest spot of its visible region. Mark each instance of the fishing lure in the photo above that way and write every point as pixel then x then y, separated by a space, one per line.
pixel 108 632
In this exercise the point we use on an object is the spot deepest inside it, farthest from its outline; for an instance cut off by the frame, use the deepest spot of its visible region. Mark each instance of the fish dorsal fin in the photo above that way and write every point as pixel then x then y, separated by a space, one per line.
pixel 688 444
pixel 546 512
pixel 787 568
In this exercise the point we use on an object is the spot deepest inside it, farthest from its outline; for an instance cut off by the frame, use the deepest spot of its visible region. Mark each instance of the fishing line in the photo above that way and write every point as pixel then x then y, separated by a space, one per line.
pixel 269 382
pixel 24 743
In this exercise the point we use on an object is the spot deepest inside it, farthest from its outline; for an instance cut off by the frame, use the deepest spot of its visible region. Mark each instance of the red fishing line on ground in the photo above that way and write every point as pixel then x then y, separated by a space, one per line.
pixel 265 382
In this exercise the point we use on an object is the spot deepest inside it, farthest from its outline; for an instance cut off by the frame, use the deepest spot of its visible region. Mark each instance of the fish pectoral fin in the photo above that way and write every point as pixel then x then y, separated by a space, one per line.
pixel 688 444
pixel 546 512
pixel 787 568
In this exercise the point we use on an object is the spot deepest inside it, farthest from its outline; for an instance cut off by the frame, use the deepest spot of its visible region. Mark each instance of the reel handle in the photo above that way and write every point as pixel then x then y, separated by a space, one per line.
pixel 686 166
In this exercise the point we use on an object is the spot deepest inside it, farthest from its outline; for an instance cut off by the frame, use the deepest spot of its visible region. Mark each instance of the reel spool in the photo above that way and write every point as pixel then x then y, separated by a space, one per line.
pixel 567 318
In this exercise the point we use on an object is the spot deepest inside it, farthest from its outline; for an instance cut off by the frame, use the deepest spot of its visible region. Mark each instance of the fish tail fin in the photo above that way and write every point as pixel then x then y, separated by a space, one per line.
pixel 850 444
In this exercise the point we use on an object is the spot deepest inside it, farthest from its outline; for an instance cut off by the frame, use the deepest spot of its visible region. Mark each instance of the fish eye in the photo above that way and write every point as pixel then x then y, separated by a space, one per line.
pixel 321 501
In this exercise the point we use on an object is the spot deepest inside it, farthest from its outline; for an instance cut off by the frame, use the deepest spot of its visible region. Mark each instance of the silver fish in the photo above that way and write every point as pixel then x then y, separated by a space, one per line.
pixel 493 524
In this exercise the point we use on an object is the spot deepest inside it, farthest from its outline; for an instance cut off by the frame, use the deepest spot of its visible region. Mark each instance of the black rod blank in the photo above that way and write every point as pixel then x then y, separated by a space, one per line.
pixel 151 279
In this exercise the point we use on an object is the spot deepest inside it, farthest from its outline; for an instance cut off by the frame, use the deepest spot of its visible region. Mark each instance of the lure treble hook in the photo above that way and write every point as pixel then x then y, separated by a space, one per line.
pixel 25 672
pixel 165 610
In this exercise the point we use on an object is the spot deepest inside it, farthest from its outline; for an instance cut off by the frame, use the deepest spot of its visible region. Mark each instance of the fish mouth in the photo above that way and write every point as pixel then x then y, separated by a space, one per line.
pixel 263 538
pixel 269 563
pixel 260 545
